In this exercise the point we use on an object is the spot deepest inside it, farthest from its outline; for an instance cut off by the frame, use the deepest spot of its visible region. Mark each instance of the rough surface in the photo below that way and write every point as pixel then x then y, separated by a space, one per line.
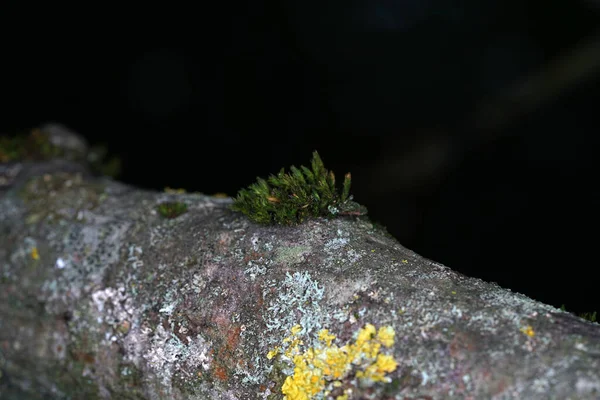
pixel 103 297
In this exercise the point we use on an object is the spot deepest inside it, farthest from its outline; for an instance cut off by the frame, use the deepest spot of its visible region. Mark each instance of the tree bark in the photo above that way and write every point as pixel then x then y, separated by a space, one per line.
pixel 101 296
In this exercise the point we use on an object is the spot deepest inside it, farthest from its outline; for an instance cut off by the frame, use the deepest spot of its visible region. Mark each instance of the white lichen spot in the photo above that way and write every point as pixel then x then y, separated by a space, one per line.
pixel 457 312
pixel 585 385
pixel 254 270
pixel 581 346
pixel 424 377
pixel 163 354
pixel 298 302
pixel 167 355
pixel 352 256
pixel 60 263
pixel 113 305
pixel 254 240
pixel 198 283
pixel 169 304
pixel 135 252
pixel 198 353
pixel 335 244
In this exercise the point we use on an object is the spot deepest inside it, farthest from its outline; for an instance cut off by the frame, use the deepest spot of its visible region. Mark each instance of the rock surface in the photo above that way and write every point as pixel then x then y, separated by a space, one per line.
pixel 101 296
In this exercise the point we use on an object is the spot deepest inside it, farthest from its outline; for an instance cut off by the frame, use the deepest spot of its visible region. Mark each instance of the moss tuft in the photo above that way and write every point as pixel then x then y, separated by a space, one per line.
pixel 290 198
pixel 32 147
pixel 172 209
pixel 589 316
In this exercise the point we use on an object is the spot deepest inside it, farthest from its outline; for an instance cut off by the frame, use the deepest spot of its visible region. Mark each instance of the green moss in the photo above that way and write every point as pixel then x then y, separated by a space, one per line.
pixel 290 198
pixel 37 146
pixel 132 379
pixel 34 146
pixel 101 163
pixel 589 316
pixel 69 382
pixel 172 209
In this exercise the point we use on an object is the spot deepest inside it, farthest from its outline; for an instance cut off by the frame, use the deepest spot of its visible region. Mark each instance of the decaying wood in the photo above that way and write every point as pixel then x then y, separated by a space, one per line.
pixel 102 297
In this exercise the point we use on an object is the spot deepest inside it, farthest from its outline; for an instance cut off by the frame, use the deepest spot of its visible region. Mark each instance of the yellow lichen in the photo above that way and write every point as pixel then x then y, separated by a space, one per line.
pixel 528 330
pixel 273 352
pixel 35 254
pixel 327 364
pixel 325 336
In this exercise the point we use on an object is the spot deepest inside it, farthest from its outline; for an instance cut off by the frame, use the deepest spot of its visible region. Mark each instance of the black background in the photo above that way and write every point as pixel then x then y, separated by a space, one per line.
pixel 208 96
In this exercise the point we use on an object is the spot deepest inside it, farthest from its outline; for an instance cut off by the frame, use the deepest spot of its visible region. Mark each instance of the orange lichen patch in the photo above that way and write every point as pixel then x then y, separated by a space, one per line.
pixel 220 372
pixel 259 299
pixel 87 358
pixel 460 345
pixel 233 337
pixel 226 352
pixel 253 255
pixel 223 242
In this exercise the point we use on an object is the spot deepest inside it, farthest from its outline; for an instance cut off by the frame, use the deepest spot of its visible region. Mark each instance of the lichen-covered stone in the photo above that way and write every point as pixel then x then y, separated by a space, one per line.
pixel 103 297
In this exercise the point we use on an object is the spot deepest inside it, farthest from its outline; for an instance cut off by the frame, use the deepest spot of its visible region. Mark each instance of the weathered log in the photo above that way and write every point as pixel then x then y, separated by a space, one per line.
pixel 104 294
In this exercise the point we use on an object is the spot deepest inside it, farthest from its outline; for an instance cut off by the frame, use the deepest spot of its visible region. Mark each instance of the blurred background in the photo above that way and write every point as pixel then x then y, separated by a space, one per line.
pixel 469 127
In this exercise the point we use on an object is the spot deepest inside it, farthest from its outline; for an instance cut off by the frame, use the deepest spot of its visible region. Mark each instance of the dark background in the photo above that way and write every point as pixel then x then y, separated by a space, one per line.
pixel 469 127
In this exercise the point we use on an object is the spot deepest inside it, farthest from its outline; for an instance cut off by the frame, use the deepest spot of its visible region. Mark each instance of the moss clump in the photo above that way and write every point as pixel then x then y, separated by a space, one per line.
pixel 37 145
pixel 172 209
pixel 32 147
pixel 102 163
pixel 290 198
pixel 589 316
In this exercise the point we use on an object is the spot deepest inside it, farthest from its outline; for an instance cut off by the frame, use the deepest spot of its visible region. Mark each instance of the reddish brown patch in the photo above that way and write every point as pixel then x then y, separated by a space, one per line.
pixel 165 324
pixel 221 321
pixel 233 337
pixel 460 345
pixel 87 358
pixel 177 332
pixel 220 372
pixel 253 255
pixel 223 243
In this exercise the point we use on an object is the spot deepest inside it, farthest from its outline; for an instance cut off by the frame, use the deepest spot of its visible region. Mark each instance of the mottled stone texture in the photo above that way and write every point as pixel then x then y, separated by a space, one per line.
pixel 101 296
